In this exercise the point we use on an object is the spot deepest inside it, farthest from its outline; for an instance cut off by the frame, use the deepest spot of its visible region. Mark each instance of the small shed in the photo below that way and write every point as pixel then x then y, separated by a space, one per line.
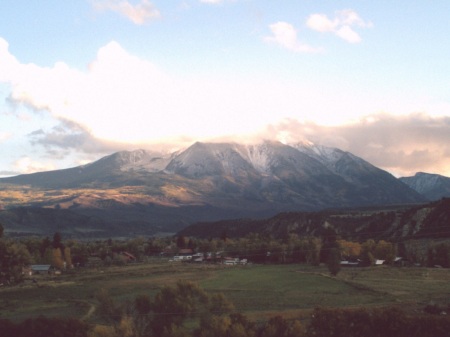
pixel 40 269
pixel 347 263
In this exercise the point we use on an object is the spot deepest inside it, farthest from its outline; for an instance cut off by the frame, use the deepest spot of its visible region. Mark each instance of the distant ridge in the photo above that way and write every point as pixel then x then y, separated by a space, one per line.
pixel 397 224
pixel 431 186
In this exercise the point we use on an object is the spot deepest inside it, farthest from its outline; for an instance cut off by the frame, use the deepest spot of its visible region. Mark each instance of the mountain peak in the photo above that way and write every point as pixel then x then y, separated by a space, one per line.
pixel 209 159
pixel 137 160
pixel 432 186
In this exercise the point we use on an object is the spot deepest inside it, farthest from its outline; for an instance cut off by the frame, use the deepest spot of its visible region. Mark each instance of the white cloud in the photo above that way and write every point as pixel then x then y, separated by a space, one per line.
pixel 321 23
pixel 285 35
pixel 341 25
pixel 27 165
pixel 127 99
pixel 123 98
pixel 348 34
pixel 140 13
pixel 5 136
pixel 8 63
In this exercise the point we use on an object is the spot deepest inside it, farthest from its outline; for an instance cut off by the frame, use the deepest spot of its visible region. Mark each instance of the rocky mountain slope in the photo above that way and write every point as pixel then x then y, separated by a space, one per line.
pixel 428 221
pixel 432 186
pixel 207 182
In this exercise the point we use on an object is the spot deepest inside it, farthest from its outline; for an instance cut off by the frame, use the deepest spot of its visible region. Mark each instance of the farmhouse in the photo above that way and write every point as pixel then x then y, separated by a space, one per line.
pixel 184 255
pixel 40 269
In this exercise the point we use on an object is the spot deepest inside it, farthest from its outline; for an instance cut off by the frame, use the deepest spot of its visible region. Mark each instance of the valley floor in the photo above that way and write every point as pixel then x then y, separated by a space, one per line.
pixel 258 291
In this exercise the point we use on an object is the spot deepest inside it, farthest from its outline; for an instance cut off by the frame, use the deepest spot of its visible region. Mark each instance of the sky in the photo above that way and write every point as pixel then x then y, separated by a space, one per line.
pixel 81 79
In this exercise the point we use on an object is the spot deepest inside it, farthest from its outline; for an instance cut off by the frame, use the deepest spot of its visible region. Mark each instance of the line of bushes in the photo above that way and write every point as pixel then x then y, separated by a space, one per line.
pixel 324 322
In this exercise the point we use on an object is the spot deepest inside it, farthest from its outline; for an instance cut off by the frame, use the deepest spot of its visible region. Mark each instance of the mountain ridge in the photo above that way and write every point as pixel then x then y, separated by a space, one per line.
pixel 208 182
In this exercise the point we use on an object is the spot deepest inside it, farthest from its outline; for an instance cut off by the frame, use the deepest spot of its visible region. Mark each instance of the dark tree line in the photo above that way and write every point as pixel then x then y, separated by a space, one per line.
pixel 44 327
pixel 381 322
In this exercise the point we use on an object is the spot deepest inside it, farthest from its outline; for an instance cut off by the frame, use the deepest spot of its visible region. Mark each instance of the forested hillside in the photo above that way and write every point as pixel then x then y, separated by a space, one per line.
pixel 415 222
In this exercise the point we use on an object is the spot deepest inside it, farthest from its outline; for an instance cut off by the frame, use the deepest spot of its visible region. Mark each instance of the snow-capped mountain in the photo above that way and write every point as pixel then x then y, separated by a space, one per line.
pixel 236 160
pixel 139 160
pixel 213 181
pixel 210 159
pixel 303 175
pixel 432 186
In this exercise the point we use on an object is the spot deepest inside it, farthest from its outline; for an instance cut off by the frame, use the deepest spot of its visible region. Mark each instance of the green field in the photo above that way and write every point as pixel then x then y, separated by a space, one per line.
pixel 259 291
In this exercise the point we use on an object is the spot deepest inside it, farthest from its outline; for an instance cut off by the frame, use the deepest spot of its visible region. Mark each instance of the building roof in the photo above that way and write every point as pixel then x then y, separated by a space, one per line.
pixel 40 267
pixel 185 251
pixel 129 255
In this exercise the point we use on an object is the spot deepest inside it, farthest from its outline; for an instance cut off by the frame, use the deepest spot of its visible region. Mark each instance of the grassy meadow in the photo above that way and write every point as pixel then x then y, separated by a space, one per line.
pixel 259 291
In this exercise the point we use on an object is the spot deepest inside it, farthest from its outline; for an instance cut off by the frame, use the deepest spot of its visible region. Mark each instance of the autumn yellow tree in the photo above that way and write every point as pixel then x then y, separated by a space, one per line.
pixel 385 251
pixel 57 258
pixel 367 252
pixel 68 257
pixel 349 249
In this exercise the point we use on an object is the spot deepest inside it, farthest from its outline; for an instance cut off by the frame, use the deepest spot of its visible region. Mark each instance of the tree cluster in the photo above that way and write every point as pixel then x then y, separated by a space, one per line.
pixel 17 254
pixel 439 255
pixel 164 315
pixel 13 256
pixel 185 310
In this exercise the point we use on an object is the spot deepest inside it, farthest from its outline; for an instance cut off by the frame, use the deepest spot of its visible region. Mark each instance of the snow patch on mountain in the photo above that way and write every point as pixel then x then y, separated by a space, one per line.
pixel 423 182
pixel 209 159
pixel 328 156
pixel 138 160
pixel 258 156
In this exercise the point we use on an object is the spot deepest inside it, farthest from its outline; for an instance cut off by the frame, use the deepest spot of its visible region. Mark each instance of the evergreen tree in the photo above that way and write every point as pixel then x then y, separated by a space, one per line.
pixel 181 241
pixel 334 261
pixel 57 240
pixel 44 245
pixel 330 252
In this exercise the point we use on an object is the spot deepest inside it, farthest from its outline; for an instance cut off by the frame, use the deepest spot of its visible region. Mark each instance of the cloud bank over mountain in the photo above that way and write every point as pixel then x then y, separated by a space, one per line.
pixel 402 145
pixel 124 102
pixel 120 75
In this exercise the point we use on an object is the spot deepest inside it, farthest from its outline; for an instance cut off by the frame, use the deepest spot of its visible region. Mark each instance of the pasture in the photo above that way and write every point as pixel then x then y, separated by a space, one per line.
pixel 259 291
